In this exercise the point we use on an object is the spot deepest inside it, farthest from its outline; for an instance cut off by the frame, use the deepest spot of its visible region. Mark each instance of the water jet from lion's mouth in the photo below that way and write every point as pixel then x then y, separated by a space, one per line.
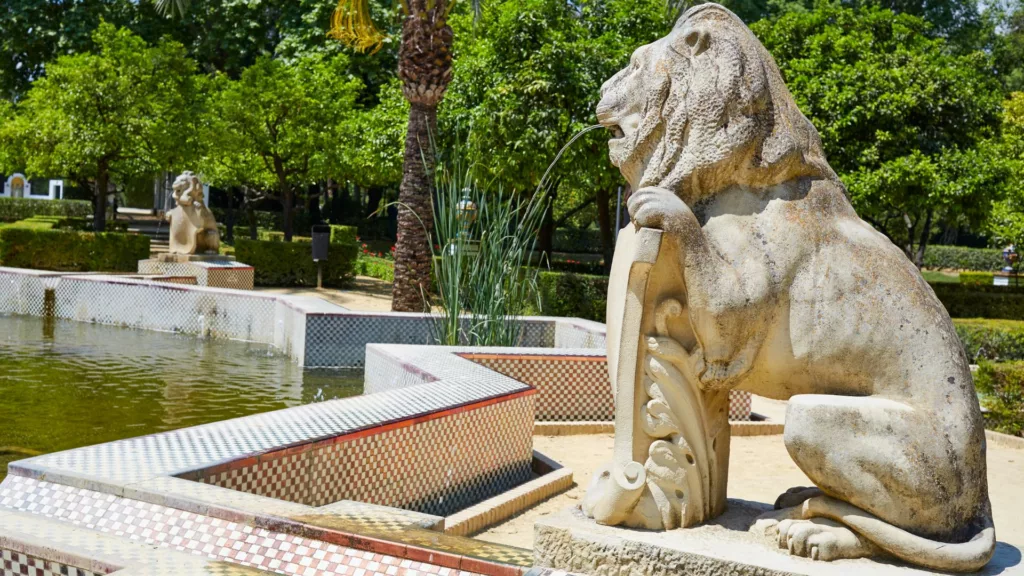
pixel 577 136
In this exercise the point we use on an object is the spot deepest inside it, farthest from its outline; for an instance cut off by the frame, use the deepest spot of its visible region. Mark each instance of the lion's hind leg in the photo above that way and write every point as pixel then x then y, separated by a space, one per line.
pixel 891 475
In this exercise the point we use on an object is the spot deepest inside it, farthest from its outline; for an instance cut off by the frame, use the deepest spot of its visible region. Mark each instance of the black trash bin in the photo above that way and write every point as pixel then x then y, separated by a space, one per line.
pixel 321 243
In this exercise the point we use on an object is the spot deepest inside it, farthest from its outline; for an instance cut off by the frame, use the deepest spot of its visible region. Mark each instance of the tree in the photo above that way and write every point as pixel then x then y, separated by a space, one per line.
pixel 1006 224
pixel 527 77
pixel 278 125
pixel 425 69
pixel 905 120
pixel 126 110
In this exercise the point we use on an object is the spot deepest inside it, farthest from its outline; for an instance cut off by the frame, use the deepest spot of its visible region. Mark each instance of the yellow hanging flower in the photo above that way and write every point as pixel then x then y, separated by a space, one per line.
pixel 352 25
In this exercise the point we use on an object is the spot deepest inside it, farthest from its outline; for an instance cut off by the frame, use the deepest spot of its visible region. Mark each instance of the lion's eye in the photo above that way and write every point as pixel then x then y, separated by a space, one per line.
pixel 692 38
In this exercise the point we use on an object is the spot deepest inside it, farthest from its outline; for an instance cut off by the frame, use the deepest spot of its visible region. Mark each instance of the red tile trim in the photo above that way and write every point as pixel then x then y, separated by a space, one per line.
pixel 251 460
pixel 529 357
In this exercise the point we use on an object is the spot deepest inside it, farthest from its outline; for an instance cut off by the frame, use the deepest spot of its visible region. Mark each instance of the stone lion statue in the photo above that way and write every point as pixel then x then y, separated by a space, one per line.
pixel 193 229
pixel 783 291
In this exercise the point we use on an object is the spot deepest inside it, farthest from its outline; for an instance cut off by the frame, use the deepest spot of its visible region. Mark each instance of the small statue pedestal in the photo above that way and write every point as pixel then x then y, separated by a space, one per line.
pixel 213 270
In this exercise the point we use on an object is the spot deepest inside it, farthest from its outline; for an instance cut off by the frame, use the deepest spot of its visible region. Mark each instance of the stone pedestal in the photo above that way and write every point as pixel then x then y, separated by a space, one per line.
pixel 571 541
pixel 213 270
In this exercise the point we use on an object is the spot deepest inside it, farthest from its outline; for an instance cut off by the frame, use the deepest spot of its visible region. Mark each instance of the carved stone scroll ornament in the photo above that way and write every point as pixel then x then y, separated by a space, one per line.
pixel 680 432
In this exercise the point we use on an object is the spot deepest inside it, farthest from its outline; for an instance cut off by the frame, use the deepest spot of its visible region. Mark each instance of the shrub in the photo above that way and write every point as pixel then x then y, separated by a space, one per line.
pixel 573 295
pixel 976 278
pixel 963 258
pixel 69 251
pixel 14 209
pixel 992 340
pixel 343 234
pixel 374 267
pixel 1002 393
pixel 291 263
pixel 962 301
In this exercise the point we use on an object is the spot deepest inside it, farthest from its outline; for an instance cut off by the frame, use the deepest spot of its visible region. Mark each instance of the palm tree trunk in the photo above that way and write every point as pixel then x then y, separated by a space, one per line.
pixel 415 214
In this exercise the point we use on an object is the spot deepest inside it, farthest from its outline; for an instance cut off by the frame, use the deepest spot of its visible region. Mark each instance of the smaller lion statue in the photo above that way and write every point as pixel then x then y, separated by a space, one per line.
pixel 193 229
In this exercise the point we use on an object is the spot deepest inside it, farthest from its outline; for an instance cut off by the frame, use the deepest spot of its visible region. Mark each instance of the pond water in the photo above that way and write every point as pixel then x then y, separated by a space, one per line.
pixel 69 384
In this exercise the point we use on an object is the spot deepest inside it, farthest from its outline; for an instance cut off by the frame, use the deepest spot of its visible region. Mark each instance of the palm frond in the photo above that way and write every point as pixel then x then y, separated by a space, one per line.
pixel 353 26
pixel 170 7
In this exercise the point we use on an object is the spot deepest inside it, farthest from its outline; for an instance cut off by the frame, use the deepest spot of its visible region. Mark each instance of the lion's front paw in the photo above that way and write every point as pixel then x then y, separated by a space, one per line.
pixel 658 208
pixel 822 539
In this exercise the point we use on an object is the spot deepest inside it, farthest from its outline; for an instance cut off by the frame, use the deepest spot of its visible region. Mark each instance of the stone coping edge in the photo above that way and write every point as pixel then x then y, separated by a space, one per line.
pixel 1004 440
pixel 737 428
pixel 554 479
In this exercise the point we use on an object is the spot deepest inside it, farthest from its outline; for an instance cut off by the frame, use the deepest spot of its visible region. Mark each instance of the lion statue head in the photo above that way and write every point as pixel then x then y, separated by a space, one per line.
pixel 704 109
pixel 188 190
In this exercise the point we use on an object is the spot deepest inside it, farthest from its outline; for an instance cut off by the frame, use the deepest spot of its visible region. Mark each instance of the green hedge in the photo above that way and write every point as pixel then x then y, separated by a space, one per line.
pixel 14 209
pixel 68 251
pixel 963 258
pixel 573 295
pixel 991 340
pixel 291 263
pixel 343 234
pixel 374 267
pixel 962 301
pixel 1002 394
pixel 976 278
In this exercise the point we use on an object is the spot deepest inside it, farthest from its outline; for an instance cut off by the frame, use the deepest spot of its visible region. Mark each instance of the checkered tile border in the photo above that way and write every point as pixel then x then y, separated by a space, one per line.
pixel 18 564
pixel 21 292
pixel 574 388
pixel 569 388
pixel 739 405
pixel 170 308
pixel 435 465
pixel 202 535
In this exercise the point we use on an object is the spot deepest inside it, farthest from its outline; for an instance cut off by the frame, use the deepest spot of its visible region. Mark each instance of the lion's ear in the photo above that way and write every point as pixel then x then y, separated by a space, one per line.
pixel 698 39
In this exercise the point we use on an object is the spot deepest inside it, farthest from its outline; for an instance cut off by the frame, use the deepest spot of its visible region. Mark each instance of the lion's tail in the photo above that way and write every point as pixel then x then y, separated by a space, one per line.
pixel 968 556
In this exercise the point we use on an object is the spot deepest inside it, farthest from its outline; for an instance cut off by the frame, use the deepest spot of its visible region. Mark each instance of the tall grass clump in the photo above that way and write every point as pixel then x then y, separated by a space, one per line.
pixel 483 265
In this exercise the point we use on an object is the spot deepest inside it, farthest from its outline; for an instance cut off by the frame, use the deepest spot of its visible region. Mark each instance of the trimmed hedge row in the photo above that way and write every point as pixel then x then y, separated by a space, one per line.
pixel 1002 393
pixel 374 267
pixel 68 251
pixel 989 301
pixel 963 258
pixel 291 263
pixel 977 278
pixel 573 295
pixel 14 209
pixel 985 339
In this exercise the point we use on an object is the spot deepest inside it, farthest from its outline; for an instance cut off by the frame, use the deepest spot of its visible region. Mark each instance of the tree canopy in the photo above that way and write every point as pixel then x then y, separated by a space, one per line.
pixel 127 109
pixel 904 119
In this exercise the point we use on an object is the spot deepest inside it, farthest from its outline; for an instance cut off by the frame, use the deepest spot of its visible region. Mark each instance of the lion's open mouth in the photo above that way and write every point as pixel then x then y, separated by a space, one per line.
pixel 617 133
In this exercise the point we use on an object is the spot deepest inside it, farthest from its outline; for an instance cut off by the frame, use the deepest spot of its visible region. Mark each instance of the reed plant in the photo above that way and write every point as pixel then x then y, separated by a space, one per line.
pixel 483 259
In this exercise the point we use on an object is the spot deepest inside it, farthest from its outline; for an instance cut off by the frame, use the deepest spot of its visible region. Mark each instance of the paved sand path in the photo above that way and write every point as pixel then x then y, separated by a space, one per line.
pixel 759 469
pixel 365 294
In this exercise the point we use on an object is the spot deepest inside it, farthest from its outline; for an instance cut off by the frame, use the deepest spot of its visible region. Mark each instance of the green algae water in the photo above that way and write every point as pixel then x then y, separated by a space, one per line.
pixel 69 384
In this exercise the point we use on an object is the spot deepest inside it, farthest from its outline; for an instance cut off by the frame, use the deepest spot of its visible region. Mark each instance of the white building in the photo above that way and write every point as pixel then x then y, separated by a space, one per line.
pixel 18 186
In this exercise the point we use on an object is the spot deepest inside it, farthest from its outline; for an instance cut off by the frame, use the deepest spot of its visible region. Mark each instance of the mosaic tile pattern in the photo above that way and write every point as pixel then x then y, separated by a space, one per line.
pixel 435 466
pixel 569 388
pixel 204 536
pixel 21 292
pixel 574 388
pixel 18 564
pixel 739 405
pixel 198 447
pixel 154 306
pixel 578 333
pixel 339 340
